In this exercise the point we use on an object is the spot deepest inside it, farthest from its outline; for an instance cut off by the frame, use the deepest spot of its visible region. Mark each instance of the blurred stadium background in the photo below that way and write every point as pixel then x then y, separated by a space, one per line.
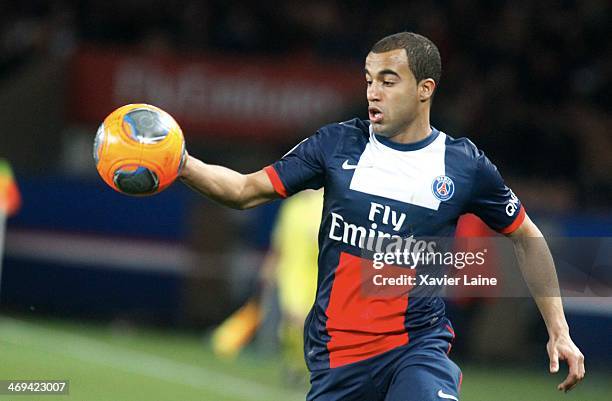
pixel 119 294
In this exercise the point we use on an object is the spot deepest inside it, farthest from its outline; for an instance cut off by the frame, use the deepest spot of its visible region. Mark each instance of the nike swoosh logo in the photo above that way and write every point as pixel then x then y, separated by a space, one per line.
pixel 347 166
pixel 442 394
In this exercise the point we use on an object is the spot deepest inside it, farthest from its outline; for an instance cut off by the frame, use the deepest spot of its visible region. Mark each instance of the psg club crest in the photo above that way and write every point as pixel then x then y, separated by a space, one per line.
pixel 443 188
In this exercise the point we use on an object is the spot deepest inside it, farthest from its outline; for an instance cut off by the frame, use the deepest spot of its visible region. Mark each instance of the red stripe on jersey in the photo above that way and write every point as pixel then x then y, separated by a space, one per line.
pixel 362 324
pixel 450 344
pixel 520 217
pixel 276 181
pixel 450 329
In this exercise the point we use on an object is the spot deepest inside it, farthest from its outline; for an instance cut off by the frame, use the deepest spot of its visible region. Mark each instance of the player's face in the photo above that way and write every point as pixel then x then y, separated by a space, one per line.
pixel 392 92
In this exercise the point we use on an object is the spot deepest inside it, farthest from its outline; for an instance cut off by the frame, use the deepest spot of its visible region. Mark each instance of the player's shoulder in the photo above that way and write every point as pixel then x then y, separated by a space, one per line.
pixel 463 154
pixel 353 127
pixel 463 149
pixel 337 136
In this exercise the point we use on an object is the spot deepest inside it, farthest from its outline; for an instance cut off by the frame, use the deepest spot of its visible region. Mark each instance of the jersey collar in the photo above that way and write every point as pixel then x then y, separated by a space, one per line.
pixel 406 146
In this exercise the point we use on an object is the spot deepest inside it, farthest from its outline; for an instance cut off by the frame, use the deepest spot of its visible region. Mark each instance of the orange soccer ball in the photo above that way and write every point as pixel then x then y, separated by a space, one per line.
pixel 139 149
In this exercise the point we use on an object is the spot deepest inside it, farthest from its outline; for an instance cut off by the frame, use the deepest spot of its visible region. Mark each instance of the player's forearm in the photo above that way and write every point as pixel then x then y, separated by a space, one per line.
pixel 551 309
pixel 226 186
pixel 538 269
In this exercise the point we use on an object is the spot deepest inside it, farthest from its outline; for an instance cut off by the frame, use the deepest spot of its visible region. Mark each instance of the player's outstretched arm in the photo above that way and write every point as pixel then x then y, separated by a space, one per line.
pixel 226 186
pixel 537 266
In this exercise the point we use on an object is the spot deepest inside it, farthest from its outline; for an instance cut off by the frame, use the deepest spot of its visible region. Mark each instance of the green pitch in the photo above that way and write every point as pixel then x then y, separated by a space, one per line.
pixel 103 363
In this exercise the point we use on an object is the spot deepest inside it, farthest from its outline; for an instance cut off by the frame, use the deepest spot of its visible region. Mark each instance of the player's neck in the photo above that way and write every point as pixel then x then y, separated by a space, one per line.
pixel 415 132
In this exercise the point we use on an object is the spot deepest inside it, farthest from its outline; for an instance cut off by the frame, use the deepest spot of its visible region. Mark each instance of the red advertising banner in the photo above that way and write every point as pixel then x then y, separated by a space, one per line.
pixel 215 95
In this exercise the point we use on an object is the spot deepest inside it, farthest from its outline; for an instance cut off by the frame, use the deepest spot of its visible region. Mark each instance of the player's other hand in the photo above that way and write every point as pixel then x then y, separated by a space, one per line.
pixel 563 348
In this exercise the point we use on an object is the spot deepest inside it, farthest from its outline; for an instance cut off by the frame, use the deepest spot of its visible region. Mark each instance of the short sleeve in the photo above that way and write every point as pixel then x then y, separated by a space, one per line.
pixel 303 167
pixel 492 200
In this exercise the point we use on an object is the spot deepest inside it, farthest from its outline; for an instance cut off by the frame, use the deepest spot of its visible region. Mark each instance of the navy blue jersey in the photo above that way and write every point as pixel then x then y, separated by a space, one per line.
pixel 378 188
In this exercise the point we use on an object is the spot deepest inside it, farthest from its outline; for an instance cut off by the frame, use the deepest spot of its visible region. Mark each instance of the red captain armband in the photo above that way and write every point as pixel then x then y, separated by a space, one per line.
pixel 520 217
pixel 276 181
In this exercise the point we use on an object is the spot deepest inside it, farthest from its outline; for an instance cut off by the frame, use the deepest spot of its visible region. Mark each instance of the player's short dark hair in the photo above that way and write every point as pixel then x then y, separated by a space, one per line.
pixel 423 55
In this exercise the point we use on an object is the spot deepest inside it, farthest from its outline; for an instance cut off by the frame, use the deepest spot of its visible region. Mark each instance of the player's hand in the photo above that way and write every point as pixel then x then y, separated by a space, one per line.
pixel 562 347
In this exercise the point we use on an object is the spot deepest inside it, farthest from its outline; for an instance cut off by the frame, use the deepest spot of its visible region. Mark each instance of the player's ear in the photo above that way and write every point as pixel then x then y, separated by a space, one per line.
pixel 426 89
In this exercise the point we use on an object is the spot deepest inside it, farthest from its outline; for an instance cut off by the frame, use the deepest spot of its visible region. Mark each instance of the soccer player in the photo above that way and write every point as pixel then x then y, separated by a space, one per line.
pixel 393 174
pixel 292 260
pixel 290 266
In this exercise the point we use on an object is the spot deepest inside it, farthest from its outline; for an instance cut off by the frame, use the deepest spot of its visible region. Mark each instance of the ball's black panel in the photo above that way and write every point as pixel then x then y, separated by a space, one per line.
pixel 147 125
pixel 139 181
